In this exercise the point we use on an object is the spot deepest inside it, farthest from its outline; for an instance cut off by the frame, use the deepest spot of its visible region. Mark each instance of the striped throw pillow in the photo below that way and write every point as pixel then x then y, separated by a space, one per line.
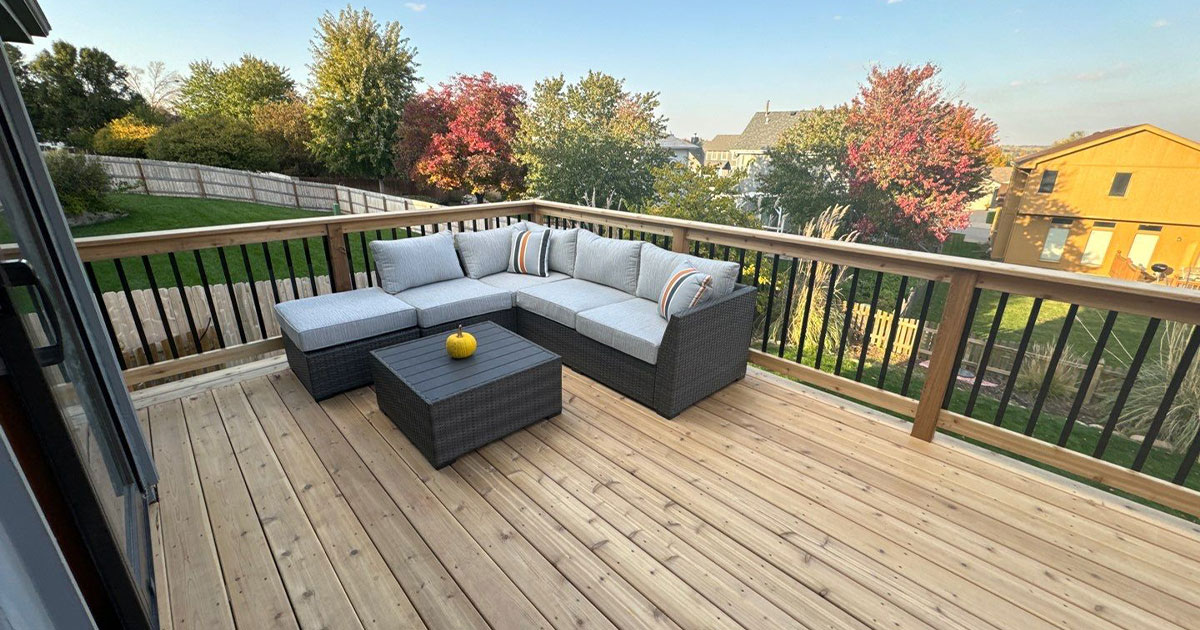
pixel 685 288
pixel 529 253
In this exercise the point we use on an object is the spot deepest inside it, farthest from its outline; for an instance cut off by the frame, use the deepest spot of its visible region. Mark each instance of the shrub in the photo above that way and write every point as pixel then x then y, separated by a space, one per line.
pixel 125 136
pixel 82 184
pixel 1182 421
pixel 1067 373
pixel 215 141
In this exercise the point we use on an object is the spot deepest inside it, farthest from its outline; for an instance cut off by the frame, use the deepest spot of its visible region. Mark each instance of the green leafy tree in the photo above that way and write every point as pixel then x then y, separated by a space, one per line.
pixel 284 126
pixel 72 92
pixel 591 142
pixel 234 90
pixel 213 140
pixel 363 74
pixel 808 171
pixel 700 194
pixel 125 136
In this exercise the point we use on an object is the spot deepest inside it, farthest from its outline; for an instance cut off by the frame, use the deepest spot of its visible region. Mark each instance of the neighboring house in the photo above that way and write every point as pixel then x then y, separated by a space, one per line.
pixel 1118 202
pixel 979 228
pixel 683 151
pixel 747 151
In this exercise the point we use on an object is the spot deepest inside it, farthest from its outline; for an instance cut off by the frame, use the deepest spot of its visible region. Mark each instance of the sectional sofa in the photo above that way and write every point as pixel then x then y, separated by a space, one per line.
pixel 663 328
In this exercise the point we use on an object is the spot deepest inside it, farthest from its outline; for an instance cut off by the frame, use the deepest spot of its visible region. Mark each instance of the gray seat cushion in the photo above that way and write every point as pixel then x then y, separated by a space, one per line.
pixel 657 263
pixel 562 246
pixel 633 327
pixel 412 262
pixel 561 301
pixel 609 261
pixel 333 319
pixel 452 300
pixel 514 282
pixel 484 253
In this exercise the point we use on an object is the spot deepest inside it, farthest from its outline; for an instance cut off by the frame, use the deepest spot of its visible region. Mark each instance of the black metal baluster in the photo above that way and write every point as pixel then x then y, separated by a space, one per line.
pixel 187 307
pixel 137 318
pixel 1135 366
pixel 986 355
pixel 158 303
pixel 271 272
pixel 1088 374
pixel 695 248
pixel 757 267
pixel 312 278
pixel 930 285
pixel 1018 359
pixel 287 258
pixel 1055 357
pixel 212 307
pixel 892 330
pixel 366 257
pixel 1164 407
pixel 846 318
pixel 395 234
pixel 812 279
pixel 833 273
pixel 741 264
pixel 262 326
pixel 962 348
pixel 786 322
pixel 866 340
pixel 766 336
pixel 474 225
pixel 108 325
pixel 725 255
pixel 408 229
pixel 349 263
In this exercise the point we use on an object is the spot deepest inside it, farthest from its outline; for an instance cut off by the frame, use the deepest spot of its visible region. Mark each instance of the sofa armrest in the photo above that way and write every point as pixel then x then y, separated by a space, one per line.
pixel 704 349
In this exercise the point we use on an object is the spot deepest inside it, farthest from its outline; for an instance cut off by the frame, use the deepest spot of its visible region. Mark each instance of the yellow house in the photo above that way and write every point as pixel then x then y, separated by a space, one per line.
pixel 1123 202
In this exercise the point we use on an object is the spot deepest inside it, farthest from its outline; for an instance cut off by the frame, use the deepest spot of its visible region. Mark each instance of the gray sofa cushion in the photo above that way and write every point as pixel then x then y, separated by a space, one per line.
pixel 562 246
pixel 333 319
pixel 451 300
pixel 608 261
pixel 632 326
pixel 514 282
pixel 656 264
pixel 484 253
pixel 560 301
pixel 412 262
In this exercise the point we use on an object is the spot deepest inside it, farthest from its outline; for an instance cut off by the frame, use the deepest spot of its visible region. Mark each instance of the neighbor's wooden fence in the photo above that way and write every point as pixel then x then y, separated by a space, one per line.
pixel 181 179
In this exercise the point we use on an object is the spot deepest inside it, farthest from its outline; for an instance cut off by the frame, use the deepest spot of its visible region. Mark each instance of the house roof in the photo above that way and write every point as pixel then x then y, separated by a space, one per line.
pixel 1100 137
pixel 1001 174
pixel 762 132
pixel 721 142
pixel 676 143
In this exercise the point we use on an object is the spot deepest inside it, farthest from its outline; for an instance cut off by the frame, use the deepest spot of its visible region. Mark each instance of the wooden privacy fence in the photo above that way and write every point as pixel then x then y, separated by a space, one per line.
pixel 783 267
pixel 181 179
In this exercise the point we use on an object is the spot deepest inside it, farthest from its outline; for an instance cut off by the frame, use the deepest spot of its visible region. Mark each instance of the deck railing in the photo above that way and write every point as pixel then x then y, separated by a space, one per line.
pixel 204 295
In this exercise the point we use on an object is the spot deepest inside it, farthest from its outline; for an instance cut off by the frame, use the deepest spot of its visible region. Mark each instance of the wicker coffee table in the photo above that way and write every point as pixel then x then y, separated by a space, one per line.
pixel 449 407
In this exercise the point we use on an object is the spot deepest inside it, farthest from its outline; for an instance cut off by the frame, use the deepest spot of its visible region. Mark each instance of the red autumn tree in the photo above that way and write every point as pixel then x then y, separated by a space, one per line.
pixel 915 158
pixel 461 134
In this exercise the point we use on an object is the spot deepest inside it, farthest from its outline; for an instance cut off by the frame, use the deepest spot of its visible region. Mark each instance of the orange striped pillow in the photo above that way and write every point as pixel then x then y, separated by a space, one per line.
pixel 686 287
pixel 529 253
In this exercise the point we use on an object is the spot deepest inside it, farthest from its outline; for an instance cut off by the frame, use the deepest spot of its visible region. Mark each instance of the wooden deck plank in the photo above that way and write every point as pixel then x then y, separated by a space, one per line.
pixel 252 580
pixel 198 596
pixel 316 593
pixel 377 597
pixel 549 590
pixel 435 594
pixel 500 602
pixel 162 590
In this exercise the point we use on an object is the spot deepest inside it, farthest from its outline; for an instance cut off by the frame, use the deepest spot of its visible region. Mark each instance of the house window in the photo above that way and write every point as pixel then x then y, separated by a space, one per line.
pixel 1056 240
pixel 1048 179
pixel 1096 248
pixel 1143 248
pixel 1120 184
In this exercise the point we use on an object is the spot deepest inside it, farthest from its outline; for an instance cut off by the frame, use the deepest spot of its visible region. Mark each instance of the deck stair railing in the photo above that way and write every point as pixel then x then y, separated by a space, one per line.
pixel 816 299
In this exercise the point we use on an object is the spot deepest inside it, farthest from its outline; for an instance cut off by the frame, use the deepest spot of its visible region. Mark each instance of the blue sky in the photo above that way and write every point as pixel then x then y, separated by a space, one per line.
pixel 1039 69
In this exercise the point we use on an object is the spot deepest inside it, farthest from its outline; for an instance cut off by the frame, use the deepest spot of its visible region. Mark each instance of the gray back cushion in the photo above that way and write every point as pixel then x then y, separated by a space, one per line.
pixel 607 261
pixel 413 262
pixel 657 264
pixel 484 253
pixel 562 246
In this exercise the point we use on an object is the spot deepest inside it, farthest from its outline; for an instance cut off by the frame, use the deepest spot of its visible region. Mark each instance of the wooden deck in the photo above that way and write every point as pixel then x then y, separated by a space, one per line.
pixel 769 505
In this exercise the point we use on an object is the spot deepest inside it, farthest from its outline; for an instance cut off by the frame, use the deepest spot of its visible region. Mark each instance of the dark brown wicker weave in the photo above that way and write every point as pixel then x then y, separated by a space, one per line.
pixel 333 370
pixel 449 407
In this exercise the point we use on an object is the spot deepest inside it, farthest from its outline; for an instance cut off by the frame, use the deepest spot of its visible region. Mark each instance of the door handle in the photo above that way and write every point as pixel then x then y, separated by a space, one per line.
pixel 18 273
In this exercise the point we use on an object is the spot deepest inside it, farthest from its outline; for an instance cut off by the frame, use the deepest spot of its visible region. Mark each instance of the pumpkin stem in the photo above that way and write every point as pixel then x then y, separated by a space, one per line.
pixel 460 330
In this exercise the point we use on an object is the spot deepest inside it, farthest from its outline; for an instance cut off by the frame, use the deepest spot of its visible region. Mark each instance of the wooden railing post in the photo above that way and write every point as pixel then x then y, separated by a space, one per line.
pixel 339 263
pixel 942 355
pixel 679 240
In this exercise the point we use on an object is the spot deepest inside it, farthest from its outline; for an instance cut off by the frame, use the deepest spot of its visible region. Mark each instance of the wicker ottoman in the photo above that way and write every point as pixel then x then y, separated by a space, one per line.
pixel 450 407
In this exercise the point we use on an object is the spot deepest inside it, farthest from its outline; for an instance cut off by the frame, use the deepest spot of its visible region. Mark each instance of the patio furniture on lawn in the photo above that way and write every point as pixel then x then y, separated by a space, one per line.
pixel 663 328
pixel 449 407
